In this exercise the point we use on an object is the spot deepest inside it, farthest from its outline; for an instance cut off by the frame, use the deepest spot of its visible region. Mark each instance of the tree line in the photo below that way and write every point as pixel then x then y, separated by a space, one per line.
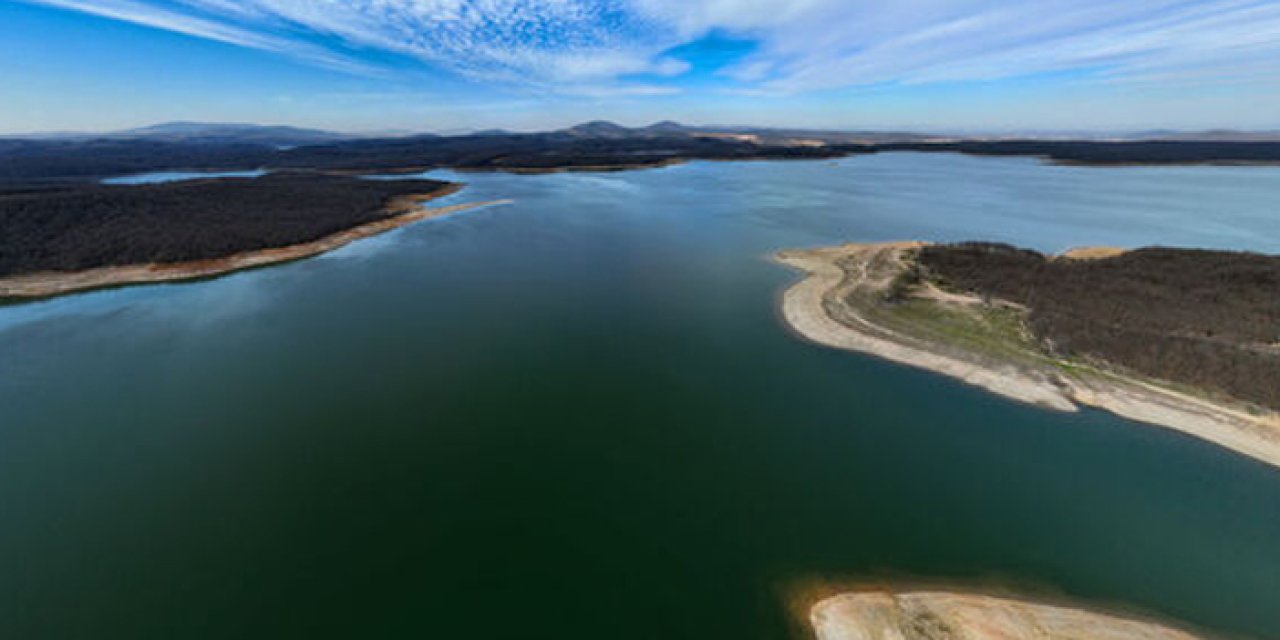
pixel 80 227
pixel 1210 319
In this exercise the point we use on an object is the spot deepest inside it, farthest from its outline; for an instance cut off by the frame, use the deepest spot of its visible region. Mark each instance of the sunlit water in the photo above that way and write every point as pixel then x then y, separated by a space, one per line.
pixel 578 416
pixel 178 176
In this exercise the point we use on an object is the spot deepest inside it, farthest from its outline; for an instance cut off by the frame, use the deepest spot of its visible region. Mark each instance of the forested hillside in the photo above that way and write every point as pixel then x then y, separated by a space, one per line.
pixel 72 228
pixel 1210 319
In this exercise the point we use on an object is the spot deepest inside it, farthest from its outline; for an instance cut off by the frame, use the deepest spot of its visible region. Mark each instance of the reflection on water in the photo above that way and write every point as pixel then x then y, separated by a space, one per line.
pixel 579 415
pixel 158 177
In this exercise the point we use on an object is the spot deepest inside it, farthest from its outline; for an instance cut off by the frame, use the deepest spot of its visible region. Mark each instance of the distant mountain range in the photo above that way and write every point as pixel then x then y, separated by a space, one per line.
pixel 1212 135
pixel 606 129
pixel 287 136
pixel 238 133
pixel 214 133
pixel 599 145
pixel 603 129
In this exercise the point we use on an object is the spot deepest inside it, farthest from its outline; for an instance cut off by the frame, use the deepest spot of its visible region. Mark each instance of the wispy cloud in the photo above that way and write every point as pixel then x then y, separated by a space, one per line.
pixel 147 14
pixel 563 45
pixel 592 47
pixel 968 41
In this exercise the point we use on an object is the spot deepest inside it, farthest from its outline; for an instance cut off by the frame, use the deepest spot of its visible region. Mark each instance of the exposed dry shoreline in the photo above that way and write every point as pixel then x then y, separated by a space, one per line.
pixel 818 308
pixel 891 614
pixel 1188 163
pixel 401 211
pixel 679 160
pixel 586 168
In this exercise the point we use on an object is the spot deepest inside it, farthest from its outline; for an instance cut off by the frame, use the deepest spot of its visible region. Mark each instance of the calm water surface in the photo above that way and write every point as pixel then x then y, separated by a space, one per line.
pixel 177 176
pixel 578 416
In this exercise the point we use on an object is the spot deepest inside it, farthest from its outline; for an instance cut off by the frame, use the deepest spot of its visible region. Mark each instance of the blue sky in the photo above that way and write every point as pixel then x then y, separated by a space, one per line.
pixel 374 65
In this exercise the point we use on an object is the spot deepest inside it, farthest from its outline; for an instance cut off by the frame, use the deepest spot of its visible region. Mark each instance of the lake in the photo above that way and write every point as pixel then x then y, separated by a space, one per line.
pixel 579 416
pixel 175 176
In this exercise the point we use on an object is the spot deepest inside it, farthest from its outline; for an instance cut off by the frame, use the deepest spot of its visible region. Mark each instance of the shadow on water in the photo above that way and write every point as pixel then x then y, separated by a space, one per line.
pixel 579 415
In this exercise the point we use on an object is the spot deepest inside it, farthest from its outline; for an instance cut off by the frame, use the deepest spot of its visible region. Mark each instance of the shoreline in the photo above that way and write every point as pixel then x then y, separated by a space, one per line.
pixel 679 160
pixel 1137 164
pixel 585 168
pixel 810 307
pixel 840 155
pixel 401 211
pixel 870 611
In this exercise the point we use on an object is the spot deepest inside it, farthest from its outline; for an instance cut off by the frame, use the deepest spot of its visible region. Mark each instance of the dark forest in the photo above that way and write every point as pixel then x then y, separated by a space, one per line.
pixel 80 227
pixel 1210 319
pixel 44 162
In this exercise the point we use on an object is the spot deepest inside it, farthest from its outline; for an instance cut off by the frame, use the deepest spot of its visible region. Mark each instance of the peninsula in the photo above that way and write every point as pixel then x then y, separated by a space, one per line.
pixel 59 240
pixel 1180 338
pixel 591 146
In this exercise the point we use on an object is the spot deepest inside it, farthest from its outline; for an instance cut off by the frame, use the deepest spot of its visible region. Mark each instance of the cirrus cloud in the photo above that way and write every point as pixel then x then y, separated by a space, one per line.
pixel 595 46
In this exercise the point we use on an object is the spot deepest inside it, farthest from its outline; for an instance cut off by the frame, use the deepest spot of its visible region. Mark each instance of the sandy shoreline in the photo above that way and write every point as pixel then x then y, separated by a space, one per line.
pixel 585 168
pixel 815 308
pixel 885 613
pixel 404 210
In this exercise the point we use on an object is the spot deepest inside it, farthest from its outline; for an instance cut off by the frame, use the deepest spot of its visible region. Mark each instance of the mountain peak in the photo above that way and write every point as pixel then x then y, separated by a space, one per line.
pixel 599 129
pixel 667 126
pixel 223 132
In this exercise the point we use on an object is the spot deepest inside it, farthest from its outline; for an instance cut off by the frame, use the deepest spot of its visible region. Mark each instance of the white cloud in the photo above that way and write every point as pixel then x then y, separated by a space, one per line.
pixel 827 45
pixel 548 43
pixel 583 46
pixel 146 14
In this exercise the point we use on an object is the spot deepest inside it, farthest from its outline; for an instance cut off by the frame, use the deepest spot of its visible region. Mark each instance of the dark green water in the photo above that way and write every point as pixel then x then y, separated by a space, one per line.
pixel 579 417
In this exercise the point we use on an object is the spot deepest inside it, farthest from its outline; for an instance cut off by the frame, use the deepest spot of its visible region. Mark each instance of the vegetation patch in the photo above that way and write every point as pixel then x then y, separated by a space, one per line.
pixel 84 227
pixel 1205 319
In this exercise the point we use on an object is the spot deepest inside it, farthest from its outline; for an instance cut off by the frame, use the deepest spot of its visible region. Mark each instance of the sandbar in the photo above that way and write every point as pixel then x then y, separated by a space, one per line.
pixel 888 614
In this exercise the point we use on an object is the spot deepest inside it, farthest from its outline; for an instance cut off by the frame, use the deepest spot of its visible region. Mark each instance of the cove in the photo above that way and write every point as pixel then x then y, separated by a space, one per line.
pixel 579 415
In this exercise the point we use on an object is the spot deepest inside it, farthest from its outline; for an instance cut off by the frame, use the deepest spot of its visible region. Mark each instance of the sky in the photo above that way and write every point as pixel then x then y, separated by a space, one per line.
pixel 456 65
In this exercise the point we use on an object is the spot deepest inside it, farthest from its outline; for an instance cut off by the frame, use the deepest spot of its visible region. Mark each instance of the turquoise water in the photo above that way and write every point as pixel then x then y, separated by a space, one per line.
pixel 177 176
pixel 578 416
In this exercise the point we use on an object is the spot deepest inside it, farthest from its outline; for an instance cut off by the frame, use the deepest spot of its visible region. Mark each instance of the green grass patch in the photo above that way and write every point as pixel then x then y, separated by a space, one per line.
pixel 998 332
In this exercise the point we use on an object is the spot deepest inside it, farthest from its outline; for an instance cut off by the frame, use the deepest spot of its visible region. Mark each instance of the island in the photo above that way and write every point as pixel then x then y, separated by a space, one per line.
pixel 884 613
pixel 1181 338
pixel 56 240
